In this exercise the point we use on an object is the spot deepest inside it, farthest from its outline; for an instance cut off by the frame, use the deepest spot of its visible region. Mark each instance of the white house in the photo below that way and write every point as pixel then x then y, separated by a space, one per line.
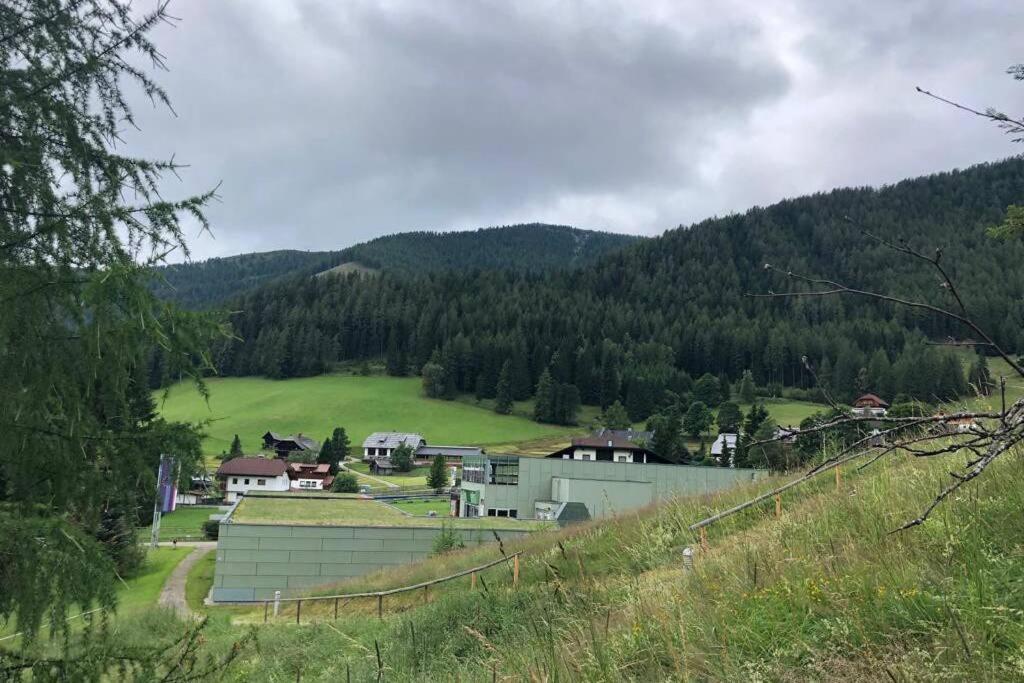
pixel 385 443
pixel 240 475
pixel 608 449
pixel 725 444
pixel 869 405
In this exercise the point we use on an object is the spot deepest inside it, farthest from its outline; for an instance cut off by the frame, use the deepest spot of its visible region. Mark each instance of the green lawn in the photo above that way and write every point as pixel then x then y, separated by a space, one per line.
pixel 352 511
pixel 249 406
pixel 199 581
pixel 184 524
pixel 787 413
pixel 417 477
pixel 422 507
pixel 139 593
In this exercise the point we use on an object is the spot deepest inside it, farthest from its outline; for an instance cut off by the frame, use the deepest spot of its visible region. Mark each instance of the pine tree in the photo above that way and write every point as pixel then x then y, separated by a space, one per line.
pixel 979 376
pixel 402 458
pixel 236 447
pixel 567 404
pixel 707 390
pixel 615 417
pixel 396 364
pixel 697 420
pixel 729 418
pixel 544 398
pixel 747 389
pixel 437 478
pixel 503 401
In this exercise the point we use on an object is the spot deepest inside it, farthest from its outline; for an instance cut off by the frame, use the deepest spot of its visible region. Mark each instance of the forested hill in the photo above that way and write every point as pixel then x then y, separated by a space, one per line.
pixel 649 317
pixel 523 248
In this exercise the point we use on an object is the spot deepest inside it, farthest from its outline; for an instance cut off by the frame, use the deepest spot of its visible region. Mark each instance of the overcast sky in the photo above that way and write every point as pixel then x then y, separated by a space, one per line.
pixel 329 123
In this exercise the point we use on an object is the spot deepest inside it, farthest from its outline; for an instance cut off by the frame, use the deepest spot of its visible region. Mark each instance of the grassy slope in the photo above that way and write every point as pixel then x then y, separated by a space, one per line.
pixel 249 406
pixel 185 523
pixel 422 507
pixel 199 581
pixel 353 511
pixel 824 592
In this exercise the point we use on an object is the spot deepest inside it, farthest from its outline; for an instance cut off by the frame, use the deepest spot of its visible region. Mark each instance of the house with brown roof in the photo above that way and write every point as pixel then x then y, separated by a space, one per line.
pixel 310 476
pixel 238 476
pixel 285 445
pixel 870 405
pixel 608 448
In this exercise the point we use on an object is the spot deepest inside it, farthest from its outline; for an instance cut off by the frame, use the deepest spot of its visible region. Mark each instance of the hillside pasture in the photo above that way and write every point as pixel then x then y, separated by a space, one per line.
pixel 249 406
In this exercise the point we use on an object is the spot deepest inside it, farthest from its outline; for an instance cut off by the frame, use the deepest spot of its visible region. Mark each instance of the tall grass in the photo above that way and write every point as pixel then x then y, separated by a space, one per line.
pixel 823 592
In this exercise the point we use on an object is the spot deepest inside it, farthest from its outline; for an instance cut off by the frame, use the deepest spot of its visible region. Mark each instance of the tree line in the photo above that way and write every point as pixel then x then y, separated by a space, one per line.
pixel 652 316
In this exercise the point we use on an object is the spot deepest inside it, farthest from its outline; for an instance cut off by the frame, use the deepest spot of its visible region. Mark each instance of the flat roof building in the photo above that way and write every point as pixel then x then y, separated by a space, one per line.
pixel 572 489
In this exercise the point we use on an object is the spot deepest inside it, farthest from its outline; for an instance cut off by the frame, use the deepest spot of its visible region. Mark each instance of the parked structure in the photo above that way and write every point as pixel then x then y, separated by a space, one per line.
pixel 285 445
pixel 571 489
pixel 382 465
pixel 310 476
pixel 240 475
pixel 870 405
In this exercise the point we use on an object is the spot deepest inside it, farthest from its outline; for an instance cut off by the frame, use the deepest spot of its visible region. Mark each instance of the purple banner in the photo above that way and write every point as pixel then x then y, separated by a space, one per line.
pixel 167 484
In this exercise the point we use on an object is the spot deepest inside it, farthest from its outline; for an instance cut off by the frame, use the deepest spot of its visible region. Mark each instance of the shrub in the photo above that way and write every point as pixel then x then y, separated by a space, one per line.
pixel 211 529
pixel 346 482
pixel 447 541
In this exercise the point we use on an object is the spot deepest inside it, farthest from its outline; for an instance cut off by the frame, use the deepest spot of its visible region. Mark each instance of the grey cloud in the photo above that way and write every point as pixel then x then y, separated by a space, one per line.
pixel 330 123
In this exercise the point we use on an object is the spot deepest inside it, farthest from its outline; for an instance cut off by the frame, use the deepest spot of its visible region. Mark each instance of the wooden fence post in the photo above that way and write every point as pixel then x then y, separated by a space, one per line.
pixel 266 608
pixel 778 504
pixel 298 611
pixel 515 571
pixel 426 596
pixel 335 609
pixel 837 477
pixel 380 605
pixel 472 581
pixel 703 538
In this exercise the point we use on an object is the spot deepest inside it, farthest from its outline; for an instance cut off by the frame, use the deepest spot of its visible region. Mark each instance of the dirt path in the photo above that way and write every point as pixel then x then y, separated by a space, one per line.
pixel 173 593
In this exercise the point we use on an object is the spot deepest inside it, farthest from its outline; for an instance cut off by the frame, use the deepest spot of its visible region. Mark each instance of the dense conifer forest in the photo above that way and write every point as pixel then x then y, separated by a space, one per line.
pixel 523 248
pixel 655 315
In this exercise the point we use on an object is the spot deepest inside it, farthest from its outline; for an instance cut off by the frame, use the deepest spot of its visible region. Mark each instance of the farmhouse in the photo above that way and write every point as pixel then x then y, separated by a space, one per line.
pixel 241 475
pixel 385 443
pixel 284 445
pixel 570 489
pixel 310 476
pixel 870 405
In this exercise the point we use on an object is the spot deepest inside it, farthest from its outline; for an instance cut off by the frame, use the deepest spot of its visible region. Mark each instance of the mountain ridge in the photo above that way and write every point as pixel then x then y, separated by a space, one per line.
pixel 525 247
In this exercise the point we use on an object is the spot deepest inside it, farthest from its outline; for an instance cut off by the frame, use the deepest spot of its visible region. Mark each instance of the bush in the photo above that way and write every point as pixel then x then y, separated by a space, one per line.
pixel 211 529
pixel 346 482
pixel 447 541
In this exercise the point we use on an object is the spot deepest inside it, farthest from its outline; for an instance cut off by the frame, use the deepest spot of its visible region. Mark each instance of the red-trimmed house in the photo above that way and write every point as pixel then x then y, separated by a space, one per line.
pixel 238 476
pixel 870 405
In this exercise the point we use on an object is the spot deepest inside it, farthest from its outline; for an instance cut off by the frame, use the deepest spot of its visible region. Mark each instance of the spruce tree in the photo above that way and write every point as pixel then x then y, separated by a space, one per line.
pixel 747 389
pixel 544 398
pixel 437 478
pixel 236 447
pixel 503 401
pixel 615 417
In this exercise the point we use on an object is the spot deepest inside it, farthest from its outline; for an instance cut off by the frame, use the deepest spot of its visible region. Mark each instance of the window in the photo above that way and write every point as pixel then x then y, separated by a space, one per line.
pixel 586 456
pixel 261 482
pixel 502 512
pixel 622 458
pixel 491 512
pixel 234 480
pixel 246 482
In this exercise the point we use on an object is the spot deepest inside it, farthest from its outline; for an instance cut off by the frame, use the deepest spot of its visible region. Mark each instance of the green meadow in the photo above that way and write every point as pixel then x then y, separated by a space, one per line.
pixel 249 406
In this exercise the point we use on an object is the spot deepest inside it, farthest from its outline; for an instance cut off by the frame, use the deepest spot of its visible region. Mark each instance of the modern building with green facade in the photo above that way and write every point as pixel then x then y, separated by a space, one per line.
pixel 564 488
